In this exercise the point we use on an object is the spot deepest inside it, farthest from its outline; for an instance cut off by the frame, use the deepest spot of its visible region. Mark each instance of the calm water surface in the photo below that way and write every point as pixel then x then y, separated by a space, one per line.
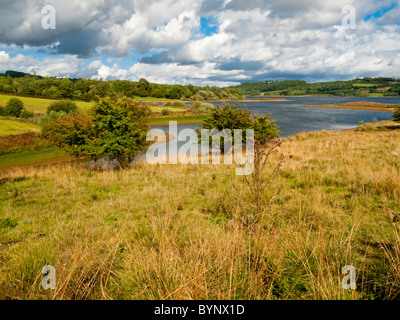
pixel 292 117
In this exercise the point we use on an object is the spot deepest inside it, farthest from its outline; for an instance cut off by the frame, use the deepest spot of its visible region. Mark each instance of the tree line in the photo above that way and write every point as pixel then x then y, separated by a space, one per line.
pixel 357 87
pixel 18 83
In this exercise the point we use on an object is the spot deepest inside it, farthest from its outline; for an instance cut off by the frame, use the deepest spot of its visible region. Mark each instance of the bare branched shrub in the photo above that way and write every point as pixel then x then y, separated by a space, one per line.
pixel 258 183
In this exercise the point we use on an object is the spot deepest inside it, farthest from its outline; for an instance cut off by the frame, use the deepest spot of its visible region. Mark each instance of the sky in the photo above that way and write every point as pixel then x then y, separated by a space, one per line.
pixel 202 42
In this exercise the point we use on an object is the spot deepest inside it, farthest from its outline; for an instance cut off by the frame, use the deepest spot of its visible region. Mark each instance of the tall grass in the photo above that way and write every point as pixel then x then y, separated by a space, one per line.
pixel 172 232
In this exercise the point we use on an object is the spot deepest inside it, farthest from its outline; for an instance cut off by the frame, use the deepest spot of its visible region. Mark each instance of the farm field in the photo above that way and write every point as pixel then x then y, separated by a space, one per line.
pixel 10 127
pixel 38 105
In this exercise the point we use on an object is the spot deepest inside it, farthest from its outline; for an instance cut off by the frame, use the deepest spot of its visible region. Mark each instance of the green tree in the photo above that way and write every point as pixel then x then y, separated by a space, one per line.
pixel 26 114
pixel 234 117
pixel 112 129
pixel 63 106
pixel 72 133
pixel 121 129
pixel 66 88
pixel 144 88
pixel 176 92
pixel 396 114
pixel 14 107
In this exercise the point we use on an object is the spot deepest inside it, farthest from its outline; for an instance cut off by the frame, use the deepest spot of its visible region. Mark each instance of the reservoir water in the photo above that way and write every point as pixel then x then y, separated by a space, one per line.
pixel 292 117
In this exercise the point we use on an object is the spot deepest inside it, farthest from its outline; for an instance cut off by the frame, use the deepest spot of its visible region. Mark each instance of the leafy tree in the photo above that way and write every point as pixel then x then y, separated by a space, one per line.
pixel 113 129
pixel 396 114
pixel 121 129
pixel 264 129
pixel 234 117
pixel 50 117
pixel 26 114
pixel 66 88
pixel 14 107
pixel 144 88
pixel 176 92
pixel 63 106
pixel 72 133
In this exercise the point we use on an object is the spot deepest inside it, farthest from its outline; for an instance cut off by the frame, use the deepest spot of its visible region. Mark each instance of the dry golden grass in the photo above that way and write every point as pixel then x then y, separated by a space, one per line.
pixel 174 232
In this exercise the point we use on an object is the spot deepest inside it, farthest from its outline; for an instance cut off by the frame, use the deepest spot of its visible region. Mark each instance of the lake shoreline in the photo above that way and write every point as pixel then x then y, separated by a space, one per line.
pixel 361 105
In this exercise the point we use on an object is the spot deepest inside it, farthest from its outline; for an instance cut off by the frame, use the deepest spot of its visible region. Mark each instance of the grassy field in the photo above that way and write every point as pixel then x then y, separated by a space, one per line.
pixel 10 127
pixel 37 105
pixel 180 120
pixel 365 85
pixel 378 95
pixel 171 109
pixel 33 158
pixel 183 232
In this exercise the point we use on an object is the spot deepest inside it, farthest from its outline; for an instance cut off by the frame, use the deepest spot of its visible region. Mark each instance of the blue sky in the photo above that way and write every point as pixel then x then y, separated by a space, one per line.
pixel 215 42
pixel 381 12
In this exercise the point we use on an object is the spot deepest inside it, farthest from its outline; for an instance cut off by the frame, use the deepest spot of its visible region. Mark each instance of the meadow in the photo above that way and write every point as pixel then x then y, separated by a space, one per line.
pixel 11 127
pixel 183 231
pixel 38 105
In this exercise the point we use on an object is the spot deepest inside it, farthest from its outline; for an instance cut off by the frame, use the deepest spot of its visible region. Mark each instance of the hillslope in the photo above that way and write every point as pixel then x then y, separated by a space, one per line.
pixel 366 87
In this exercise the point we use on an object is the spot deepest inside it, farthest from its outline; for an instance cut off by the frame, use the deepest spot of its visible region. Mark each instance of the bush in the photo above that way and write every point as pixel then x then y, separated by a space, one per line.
pixel 197 105
pixel 2 111
pixel 396 114
pixel 112 129
pixel 50 117
pixel 71 133
pixel 67 107
pixel 179 104
pixel 165 112
pixel 202 107
pixel 23 143
pixel 14 108
pixel 206 107
pixel 174 104
pixel 120 129
pixel 26 114
pixel 367 127
pixel 233 117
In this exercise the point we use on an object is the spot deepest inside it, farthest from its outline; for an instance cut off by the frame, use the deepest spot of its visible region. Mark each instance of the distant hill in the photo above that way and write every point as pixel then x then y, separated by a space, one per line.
pixel 17 74
pixel 365 87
